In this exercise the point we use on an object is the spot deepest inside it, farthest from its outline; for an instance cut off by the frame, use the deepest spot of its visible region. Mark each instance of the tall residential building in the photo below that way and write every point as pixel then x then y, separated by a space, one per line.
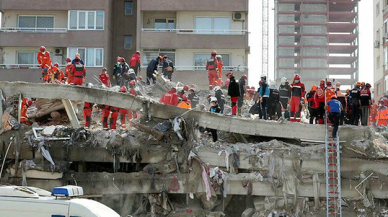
pixel 101 30
pixel 380 35
pixel 317 39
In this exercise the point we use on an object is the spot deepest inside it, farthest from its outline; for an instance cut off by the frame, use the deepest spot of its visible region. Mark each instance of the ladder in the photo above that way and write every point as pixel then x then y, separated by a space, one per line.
pixel 333 169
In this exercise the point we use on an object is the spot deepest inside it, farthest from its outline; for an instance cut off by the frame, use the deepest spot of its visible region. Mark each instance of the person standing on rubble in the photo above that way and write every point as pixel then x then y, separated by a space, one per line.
pixel 212 68
pixel 312 105
pixel 59 76
pixel 170 98
pixel 320 101
pixel 273 102
pixel 117 72
pixel 355 103
pixel 79 57
pixel 87 112
pixel 68 73
pixel 152 70
pixel 124 112
pixel 127 74
pixel 44 60
pixel 220 64
pixel 135 62
pixel 262 96
pixel 167 68
pixel 220 98
pixel 214 109
pixel 342 98
pixel 233 92
pixel 297 96
pixel 242 83
pixel 365 104
pixel 285 95
pixel 79 71
pixel 334 113
pixel 381 115
pixel 348 109
pixel 104 77
pixel 194 99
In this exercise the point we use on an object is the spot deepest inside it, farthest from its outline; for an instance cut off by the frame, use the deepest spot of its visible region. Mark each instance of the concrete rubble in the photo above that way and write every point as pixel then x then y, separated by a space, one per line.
pixel 160 167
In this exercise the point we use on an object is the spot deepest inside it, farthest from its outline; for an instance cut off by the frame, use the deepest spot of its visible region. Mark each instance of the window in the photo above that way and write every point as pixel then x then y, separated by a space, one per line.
pixel 200 60
pixel 128 8
pixel 377 9
pixel 385 59
pixel 86 20
pixel 378 62
pixel 164 23
pixel 148 55
pixel 212 25
pixel 92 57
pixel 127 42
pixel 36 22
pixel 27 58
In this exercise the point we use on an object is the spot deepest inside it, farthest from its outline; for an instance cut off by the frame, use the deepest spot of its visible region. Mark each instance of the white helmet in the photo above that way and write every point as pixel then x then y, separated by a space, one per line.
pixel 219 57
pixel 263 76
pixel 213 99
pixel 217 88
pixel 283 80
pixel 272 83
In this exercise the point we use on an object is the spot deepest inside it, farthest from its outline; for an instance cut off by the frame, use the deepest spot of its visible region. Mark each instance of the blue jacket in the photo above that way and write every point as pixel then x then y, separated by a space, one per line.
pixel 264 90
pixel 153 65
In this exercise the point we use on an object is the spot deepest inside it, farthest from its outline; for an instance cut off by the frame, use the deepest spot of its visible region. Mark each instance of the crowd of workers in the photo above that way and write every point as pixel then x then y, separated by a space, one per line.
pixel 325 101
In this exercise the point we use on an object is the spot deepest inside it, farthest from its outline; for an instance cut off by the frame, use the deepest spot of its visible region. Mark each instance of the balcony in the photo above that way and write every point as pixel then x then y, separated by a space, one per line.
pixel 197 5
pixel 54 5
pixel 193 39
pixel 50 37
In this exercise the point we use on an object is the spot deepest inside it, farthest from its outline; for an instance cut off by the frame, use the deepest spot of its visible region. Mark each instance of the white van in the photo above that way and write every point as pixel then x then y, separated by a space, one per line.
pixel 16 201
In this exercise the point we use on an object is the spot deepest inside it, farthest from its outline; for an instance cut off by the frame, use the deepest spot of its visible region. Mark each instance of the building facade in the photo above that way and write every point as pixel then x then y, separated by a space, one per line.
pixel 317 39
pixel 380 35
pixel 185 31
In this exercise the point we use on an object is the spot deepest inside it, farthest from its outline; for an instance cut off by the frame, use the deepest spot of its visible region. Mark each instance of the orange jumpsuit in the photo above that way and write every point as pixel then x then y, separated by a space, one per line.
pixel 69 74
pixel 212 67
pixel 58 75
pixel 330 91
pixel 25 104
pixel 44 61
pixel 382 116
pixel 184 104
pixel 220 64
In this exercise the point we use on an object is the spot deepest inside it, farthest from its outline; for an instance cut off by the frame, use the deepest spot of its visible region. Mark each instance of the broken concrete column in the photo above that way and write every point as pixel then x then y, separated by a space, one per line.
pixel 71 113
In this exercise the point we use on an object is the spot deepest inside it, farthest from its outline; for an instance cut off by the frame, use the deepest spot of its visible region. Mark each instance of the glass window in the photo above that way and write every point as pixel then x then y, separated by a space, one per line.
pixel 91 18
pixel 378 62
pixel 27 21
pixel 203 25
pixel 127 42
pixel 385 59
pixel 128 8
pixel 71 53
pixel 99 57
pixel 171 24
pixel 160 24
pixel 221 25
pixel 73 20
pixel 225 59
pixel 82 52
pixel 81 20
pixel 200 59
pixel 100 20
pixel 34 22
pixel 27 58
pixel 90 57
pixel 170 56
pixel 148 56
pixel 45 22
pixel 386 85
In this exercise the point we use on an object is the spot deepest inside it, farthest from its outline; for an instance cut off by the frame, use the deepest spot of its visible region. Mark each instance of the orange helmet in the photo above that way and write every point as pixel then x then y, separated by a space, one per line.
pixel 123 89
pixel 314 87
pixel 133 82
pixel 42 48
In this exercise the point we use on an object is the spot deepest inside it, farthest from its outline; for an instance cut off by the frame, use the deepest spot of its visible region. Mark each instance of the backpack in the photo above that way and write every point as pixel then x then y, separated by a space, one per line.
pixel 170 67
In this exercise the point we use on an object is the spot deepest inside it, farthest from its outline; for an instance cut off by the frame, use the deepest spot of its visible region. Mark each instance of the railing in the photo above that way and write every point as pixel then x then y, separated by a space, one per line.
pixel 199 31
pixel 33 30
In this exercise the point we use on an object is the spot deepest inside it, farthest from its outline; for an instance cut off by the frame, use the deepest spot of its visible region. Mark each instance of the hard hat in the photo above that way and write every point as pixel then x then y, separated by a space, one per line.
pixel 219 57
pixel 328 83
pixel 368 85
pixel 42 48
pixel 123 89
pixel 121 59
pixel 133 82
pixel 214 53
pixel 217 88
pixel 56 64
pixel 76 58
pixel 184 97
pixel 272 83
pixel 104 69
pixel 251 91
pixel 139 78
pixel 229 74
pixel 186 88
pixel 358 83
pixel 244 77
pixel 210 87
pixel 173 89
pixel 314 87
pixel 296 77
pixel 179 94
pixel 193 86
pixel 338 83
pixel 283 80
pixel 138 52
pixel 165 57
pixel 213 99
pixel 263 76
pixel 68 60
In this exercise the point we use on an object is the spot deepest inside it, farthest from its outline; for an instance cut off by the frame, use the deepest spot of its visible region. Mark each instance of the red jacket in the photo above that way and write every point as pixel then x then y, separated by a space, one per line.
pixel 105 79
pixel 135 60
pixel 320 95
pixel 212 64
pixel 169 98
pixel 78 70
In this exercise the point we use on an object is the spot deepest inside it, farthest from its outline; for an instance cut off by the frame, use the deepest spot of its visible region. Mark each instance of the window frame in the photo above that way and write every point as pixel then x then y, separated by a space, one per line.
pixel 125 8
pixel 131 47
pixel 212 30
pixel 86 20
pixel 35 59
pixel 85 59
pixel 36 19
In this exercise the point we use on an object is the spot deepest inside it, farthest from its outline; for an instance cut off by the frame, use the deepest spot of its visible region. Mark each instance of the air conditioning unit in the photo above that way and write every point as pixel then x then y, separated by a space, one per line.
pixel 376 44
pixel 239 16
pixel 58 51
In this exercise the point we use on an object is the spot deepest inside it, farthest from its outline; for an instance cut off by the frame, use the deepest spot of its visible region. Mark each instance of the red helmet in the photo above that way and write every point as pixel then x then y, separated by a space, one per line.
pixel 42 48
pixel 368 85
pixel 68 60
pixel 245 77
pixel 121 60
pixel 139 78
pixel 56 64
pixel 296 77
pixel 77 58
pixel 173 89
pixel 251 91
pixel 211 87
pixel 214 53
pixel 253 88
pixel 184 97
pixel 123 89
pixel 186 88
pixel 133 82
pixel 328 83
pixel 104 69
pixel 179 94
pixel 229 74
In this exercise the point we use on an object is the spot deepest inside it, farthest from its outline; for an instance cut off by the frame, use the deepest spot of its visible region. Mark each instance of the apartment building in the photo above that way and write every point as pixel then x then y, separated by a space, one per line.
pixel 317 39
pixel 185 31
pixel 380 34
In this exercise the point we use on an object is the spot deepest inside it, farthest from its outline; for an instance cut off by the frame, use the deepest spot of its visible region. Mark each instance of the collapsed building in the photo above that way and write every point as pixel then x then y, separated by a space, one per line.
pixel 165 165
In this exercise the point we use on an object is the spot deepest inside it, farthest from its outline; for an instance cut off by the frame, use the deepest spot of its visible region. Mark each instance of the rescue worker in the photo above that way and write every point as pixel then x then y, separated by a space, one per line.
pixel 320 101
pixel 26 102
pixel 167 68
pixel 365 103
pixel 233 92
pixel 135 62
pixel 194 99
pixel 334 113
pixel 87 112
pixel 104 77
pixel 355 103
pixel 342 98
pixel 184 90
pixel 220 64
pixel 273 102
pixel 117 71
pixel 330 91
pixel 80 60
pixel 214 109
pixel 348 109
pixel 69 75
pixel 113 117
pixel 285 95
pixel 382 115
pixel 242 83
pixel 124 112
pixel 79 72
pixel 44 60
pixel 170 98
pixel 152 69
pixel 312 105
pixel 262 96
pixel 212 68
pixel 126 73
pixel 220 98
pixel 185 103
pixel 59 76
pixel 105 115
pixel 297 96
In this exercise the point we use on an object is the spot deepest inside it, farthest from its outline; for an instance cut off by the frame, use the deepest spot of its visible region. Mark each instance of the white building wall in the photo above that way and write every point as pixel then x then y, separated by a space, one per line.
pixel 378 26
pixel 10 18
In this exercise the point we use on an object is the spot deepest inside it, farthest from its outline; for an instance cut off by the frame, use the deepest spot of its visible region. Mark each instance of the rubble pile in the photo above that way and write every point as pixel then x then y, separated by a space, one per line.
pixel 171 167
